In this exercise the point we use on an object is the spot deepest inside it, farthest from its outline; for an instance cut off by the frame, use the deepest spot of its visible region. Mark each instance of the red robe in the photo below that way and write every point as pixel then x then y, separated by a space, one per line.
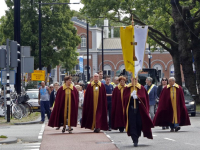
pixel 57 115
pixel 101 112
pixel 143 109
pixel 164 114
pixel 117 114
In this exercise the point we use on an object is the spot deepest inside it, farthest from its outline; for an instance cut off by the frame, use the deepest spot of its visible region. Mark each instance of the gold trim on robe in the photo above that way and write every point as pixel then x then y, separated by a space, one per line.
pixel 173 101
pixel 121 88
pixel 95 101
pixel 174 106
pixel 67 109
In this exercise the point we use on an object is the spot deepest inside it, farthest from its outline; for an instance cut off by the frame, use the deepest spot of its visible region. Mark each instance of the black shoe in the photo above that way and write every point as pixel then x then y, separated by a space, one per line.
pixel 172 130
pixel 63 130
pixel 121 131
pixel 163 128
pixel 68 129
pixel 96 130
pixel 135 144
pixel 109 129
pixel 57 128
pixel 177 129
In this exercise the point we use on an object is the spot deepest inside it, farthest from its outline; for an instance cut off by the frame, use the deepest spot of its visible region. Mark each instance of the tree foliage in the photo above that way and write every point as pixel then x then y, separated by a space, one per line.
pixel 57 31
pixel 163 22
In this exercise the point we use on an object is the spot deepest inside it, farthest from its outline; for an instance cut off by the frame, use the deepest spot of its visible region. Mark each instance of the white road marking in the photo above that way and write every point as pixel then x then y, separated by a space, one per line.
pixel 108 136
pixel 33 146
pixel 41 132
pixel 169 139
pixel 32 143
pixel 31 149
pixel 154 135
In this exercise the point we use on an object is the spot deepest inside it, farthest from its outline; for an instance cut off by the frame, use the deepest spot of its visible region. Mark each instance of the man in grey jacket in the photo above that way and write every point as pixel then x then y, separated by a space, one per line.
pixel 152 92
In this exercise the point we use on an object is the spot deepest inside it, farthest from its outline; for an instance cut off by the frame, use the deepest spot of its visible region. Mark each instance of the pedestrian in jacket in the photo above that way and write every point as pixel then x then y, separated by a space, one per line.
pixel 152 92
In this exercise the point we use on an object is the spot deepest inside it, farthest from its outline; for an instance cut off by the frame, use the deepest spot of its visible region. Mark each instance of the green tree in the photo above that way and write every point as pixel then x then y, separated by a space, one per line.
pixel 163 29
pixel 57 31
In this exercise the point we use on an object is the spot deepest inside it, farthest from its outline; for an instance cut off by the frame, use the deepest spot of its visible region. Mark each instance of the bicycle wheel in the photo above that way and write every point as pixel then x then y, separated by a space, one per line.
pixel 28 108
pixel 17 112
pixel 24 112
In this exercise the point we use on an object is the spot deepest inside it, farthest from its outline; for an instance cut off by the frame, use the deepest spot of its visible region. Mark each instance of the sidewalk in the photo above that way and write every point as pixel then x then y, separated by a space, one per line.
pixel 80 139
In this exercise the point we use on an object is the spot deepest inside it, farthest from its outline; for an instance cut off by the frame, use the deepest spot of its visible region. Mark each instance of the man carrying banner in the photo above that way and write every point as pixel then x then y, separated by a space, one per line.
pixel 135 97
pixel 152 92
pixel 136 113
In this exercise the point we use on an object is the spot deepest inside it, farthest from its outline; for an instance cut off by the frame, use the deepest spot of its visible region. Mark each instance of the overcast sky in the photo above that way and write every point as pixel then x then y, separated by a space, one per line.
pixel 3 6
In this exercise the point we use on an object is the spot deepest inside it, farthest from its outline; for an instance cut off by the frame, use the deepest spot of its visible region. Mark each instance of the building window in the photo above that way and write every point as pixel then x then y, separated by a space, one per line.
pixel 107 70
pixel 83 41
pixel 172 71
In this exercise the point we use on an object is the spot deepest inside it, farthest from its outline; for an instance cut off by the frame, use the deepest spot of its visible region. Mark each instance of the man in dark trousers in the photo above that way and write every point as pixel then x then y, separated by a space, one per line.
pixel 109 90
pixel 53 95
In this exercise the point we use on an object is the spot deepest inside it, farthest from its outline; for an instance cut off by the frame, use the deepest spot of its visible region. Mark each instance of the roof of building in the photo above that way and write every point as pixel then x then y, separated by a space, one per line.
pixel 111 44
pixel 81 22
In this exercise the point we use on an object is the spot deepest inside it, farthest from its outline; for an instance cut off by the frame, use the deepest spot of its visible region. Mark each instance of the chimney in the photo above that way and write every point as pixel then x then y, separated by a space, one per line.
pixel 106 30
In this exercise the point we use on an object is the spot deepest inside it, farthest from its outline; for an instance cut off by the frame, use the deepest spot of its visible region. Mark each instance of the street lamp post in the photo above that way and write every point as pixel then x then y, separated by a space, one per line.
pixel 88 78
pixel 149 56
pixel 40 27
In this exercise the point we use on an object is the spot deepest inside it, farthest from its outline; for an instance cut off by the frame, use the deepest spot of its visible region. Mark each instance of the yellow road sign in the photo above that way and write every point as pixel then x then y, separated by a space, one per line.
pixel 38 75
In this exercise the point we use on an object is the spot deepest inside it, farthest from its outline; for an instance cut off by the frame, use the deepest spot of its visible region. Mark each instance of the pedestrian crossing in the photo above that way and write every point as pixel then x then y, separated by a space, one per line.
pixel 31 146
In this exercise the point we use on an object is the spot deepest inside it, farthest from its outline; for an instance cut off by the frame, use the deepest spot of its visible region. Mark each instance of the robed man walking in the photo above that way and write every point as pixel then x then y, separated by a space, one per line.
pixel 171 110
pixel 117 114
pixel 94 114
pixel 136 106
pixel 65 110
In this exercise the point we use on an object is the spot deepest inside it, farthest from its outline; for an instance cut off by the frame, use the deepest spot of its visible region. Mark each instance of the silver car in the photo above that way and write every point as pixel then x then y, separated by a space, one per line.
pixel 33 95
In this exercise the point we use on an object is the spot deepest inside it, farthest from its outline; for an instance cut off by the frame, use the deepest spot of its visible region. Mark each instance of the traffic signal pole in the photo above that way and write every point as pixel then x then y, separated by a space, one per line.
pixel 8 81
pixel 17 37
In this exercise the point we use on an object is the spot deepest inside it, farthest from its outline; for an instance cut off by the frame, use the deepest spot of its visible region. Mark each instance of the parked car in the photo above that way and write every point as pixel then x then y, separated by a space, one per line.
pixel 33 95
pixel 189 102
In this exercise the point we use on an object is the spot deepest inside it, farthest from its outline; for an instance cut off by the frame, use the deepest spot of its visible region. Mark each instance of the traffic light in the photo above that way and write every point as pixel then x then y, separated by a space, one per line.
pixel 13 54
pixel 2 58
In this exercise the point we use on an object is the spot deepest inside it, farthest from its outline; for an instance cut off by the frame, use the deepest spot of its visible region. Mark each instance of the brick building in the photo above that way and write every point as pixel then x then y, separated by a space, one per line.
pixel 113 59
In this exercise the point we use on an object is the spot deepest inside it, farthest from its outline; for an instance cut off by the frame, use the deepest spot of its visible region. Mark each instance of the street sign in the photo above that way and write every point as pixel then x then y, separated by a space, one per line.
pixel 38 75
pixel 4 77
pixel 27 64
pixel 81 64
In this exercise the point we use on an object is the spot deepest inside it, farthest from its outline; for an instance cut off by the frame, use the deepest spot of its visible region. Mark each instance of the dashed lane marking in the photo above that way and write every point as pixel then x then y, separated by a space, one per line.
pixel 169 139
pixel 41 132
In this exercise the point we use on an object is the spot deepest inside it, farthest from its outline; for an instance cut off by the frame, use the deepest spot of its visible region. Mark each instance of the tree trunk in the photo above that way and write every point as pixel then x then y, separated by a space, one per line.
pixel 177 68
pixel 185 55
pixel 175 57
pixel 196 55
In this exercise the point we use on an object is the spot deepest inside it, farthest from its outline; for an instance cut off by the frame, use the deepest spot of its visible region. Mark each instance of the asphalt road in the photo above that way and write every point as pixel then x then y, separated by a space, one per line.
pixel 186 139
pixel 29 136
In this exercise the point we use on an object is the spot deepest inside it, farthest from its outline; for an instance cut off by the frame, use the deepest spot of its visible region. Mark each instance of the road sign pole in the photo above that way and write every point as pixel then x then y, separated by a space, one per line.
pixel 5 106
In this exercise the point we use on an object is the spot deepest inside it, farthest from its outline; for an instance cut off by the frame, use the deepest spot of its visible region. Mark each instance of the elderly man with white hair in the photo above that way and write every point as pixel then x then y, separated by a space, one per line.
pixel 152 92
pixel 94 114
pixel 171 110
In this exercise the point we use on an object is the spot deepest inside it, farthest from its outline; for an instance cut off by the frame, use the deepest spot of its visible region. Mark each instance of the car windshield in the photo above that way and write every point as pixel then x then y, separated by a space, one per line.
pixel 187 94
pixel 33 95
